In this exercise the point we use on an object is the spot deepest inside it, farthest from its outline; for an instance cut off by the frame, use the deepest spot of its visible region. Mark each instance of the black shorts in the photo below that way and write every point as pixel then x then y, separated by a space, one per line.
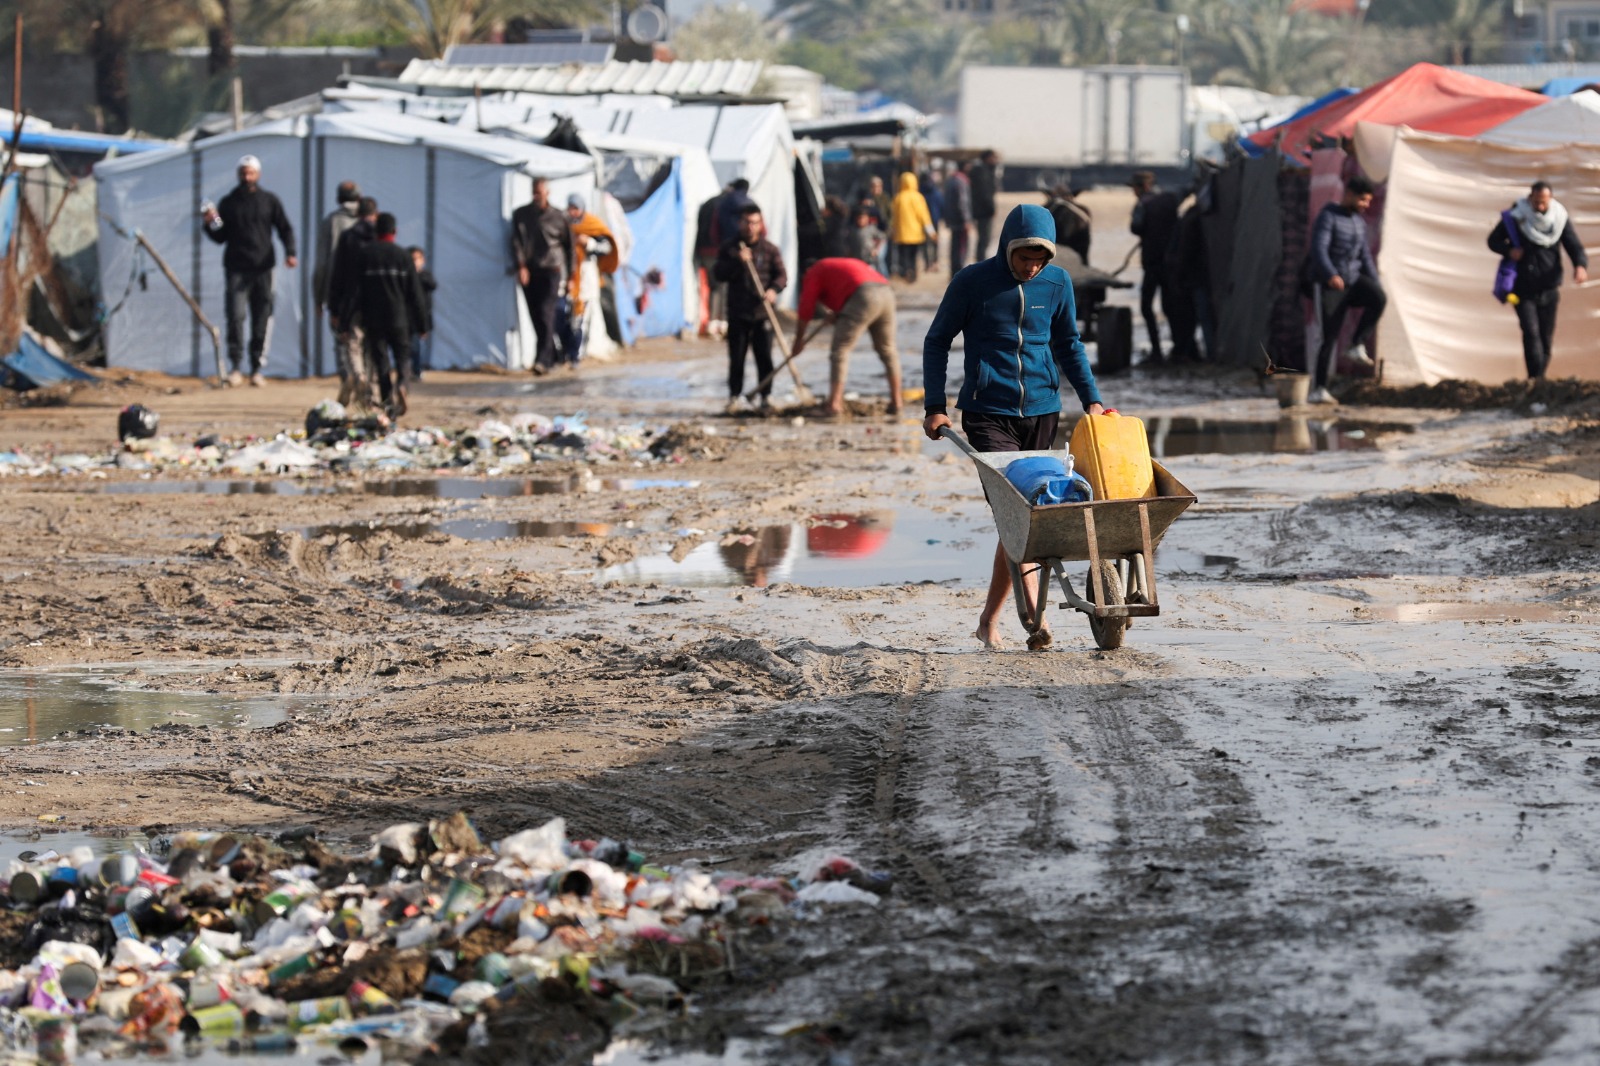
pixel 1009 433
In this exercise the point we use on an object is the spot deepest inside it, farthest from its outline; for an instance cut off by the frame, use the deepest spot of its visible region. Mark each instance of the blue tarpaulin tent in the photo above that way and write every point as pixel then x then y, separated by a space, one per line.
pixel 30 366
pixel 52 140
pixel 8 211
pixel 653 275
pixel 1567 86
pixel 1255 150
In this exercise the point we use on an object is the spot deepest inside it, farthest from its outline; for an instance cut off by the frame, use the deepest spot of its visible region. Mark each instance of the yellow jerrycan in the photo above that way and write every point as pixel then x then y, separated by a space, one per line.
pixel 1111 451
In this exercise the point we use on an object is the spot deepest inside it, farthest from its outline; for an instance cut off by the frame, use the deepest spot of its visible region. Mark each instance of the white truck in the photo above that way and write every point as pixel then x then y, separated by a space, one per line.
pixel 1077 117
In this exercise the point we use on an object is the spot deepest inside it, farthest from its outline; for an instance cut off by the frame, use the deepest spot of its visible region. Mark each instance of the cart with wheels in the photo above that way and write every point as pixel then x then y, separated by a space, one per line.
pixel 1117 538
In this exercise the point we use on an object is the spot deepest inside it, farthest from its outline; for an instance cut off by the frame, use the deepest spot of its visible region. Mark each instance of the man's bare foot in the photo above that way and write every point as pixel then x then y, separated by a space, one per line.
pixel 988 634
pixel 1040 639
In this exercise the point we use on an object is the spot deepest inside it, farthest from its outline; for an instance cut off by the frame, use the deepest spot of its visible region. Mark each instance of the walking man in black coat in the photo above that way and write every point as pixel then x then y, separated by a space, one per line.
pixel 541 249
pixel 393 307
pixel 243 223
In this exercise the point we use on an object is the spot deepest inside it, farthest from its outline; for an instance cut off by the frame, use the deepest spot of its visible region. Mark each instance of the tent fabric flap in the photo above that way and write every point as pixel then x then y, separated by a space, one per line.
pixel 1444 197
pixel 1424 97
pixel 650 300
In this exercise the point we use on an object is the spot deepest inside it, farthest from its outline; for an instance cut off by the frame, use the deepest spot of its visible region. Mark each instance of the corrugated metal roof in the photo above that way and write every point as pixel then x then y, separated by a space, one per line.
pixel 538 54
pixel 717 77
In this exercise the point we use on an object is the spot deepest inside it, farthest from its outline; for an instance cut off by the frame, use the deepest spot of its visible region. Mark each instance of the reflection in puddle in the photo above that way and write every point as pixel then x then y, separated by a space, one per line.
pixel 441 488
pixel 465 528
pixel 1291 433
pixel 830 551
pixel 43 705
pixel 20 843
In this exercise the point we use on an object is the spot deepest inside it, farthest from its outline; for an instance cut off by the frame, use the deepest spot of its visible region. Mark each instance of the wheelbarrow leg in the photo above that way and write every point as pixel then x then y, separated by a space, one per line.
pixel 1031 608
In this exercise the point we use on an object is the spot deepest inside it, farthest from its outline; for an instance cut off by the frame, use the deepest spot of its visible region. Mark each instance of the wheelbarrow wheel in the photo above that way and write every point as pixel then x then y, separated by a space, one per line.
pixel 1108 632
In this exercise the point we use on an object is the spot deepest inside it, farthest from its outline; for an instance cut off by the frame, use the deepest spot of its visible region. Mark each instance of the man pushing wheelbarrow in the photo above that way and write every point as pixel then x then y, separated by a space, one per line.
pixel 1017 314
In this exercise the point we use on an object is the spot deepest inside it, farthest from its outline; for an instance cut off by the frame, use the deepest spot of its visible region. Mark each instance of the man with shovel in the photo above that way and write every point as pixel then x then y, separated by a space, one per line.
pixel 856 298
pixel 752 268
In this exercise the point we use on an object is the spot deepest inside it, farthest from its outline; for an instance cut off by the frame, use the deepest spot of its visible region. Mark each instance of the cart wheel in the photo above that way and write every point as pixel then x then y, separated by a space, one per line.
pixel 1108 632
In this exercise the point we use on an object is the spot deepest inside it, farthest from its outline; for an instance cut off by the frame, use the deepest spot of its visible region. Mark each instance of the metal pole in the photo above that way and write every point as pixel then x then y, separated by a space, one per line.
pixel 238 103
pixel 16 72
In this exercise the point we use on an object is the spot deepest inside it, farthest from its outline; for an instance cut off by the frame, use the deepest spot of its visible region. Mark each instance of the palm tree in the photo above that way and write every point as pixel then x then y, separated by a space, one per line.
pixel 726 33
pixel 921 63
pixel 1266 45
pixel 108 31
pixel 432 26
pixel 842 21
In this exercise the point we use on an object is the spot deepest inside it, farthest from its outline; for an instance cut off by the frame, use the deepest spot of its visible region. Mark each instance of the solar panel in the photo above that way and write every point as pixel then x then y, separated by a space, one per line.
pixel 543 54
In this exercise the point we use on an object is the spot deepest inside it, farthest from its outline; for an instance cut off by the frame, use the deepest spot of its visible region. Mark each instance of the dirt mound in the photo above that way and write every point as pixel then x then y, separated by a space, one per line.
pixel 1566 394
pixel 687 440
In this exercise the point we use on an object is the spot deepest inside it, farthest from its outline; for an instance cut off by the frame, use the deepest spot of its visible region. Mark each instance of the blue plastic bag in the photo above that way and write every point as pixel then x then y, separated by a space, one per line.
pixel 1044 479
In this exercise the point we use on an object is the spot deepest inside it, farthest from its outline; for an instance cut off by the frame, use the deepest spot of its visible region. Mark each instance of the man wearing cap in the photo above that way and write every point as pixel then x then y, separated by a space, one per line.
pixel 244 223
pixel 1155 220
pixel 541 249
pixel 1018 315
pixel 340 219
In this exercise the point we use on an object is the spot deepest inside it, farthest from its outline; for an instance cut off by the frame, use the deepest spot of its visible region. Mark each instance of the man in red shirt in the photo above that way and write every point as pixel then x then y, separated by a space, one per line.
pixel 857 298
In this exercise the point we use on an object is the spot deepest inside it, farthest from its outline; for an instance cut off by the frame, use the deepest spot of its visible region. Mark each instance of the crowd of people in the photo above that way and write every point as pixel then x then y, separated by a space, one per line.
pixel 378 295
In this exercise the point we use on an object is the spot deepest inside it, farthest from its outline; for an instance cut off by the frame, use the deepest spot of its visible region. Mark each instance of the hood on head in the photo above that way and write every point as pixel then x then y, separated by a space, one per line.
pixel 908 182
pixel 1027 225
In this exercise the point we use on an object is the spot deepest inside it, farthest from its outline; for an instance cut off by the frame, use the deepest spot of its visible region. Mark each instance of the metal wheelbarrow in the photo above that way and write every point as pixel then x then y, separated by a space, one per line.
pixel 1117 538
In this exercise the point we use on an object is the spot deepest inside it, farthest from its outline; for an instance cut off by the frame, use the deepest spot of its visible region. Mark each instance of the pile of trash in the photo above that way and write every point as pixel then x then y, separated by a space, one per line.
pixel 333 442
pixel 429 939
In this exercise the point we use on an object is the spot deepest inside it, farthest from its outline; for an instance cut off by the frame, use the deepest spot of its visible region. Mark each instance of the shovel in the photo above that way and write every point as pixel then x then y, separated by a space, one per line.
pixel 800 389
pixel 764 382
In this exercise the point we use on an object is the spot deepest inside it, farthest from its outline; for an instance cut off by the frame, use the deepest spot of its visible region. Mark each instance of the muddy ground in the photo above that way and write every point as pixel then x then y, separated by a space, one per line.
pixel 1336 804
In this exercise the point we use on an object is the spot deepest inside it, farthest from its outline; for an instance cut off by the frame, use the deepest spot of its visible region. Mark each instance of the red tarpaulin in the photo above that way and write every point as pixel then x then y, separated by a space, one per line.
pixel 1425 97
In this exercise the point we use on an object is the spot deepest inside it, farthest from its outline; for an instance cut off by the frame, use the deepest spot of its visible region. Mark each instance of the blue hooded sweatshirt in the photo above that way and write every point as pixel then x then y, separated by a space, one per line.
pixel 1020 336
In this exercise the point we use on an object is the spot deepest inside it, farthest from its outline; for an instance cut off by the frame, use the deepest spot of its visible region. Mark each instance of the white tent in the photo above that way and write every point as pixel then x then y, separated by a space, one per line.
pixel 1571 119
pixel 452 191
pixel 1444 196
pixel 750 141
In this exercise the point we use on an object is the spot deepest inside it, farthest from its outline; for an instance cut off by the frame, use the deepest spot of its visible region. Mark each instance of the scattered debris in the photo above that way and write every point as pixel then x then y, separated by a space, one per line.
pixel 429 940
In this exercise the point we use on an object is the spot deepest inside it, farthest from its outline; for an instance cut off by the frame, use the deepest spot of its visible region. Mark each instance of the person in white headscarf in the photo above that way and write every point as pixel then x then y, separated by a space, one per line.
pixel 244 223
pixel 1532 235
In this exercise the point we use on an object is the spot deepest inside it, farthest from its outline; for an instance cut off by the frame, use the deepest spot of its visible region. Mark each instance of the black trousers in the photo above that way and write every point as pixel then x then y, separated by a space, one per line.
pixel 907 256
pixel 980 250
pixel 1363 294
pixel 248 295
pixel 748 335
pixel 543 293
pixel 1537 317
pixel 1154 282
pixel 958 247
pixel 389 355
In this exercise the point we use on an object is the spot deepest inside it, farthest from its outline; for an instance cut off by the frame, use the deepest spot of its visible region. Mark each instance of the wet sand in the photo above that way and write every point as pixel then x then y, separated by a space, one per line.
pixel 1337 803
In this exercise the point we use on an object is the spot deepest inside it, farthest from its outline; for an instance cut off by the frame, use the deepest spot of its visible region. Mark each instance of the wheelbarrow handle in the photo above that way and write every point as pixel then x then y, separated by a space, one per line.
pixel 949 434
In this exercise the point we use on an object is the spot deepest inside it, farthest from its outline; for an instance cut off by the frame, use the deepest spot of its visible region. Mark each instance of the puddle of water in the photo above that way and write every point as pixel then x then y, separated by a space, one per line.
pixel 835 551
pixel 42 705
pixel 465 528
pixel 1291 433
pixel 20 843
pixel 442 488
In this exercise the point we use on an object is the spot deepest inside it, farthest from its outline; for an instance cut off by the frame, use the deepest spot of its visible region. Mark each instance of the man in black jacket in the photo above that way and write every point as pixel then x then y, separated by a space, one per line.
pixel 748 328
pixel 1155 220
pixel 344 315
pixel 984 176
pixel 1543 229
pixel 541 250
pixel 1341 267
pixel 244 223
pixel 392 306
